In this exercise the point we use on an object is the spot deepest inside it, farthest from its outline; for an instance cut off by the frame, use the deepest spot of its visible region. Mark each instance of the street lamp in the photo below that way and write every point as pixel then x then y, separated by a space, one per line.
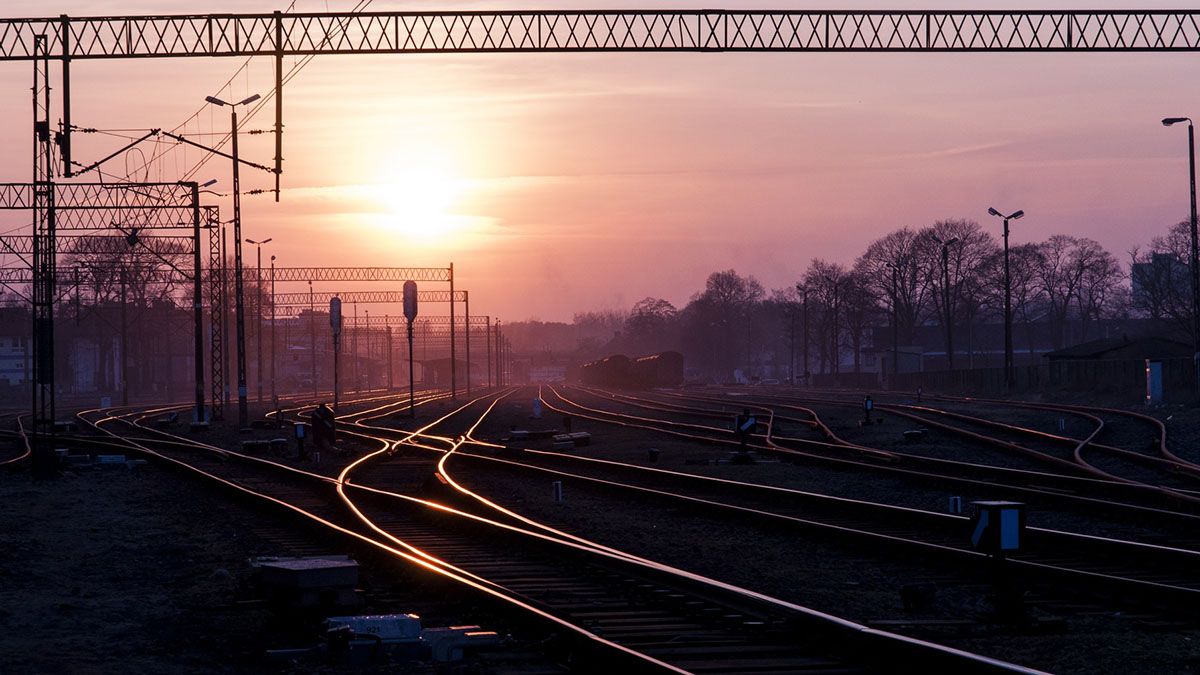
pixel 258 323
pixel 240 315
pixel 1195 257
pixel 946 293
pixel 274 394
pixel 804 294
pixel 1008 339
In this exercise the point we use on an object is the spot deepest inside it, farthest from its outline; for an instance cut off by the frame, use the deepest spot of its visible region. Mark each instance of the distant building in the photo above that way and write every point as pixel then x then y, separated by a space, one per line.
pixel 1156 284
pixel 1151 347
pixel 14 360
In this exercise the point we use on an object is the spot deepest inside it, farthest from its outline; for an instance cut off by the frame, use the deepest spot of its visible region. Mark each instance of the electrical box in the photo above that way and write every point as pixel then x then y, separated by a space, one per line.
pixel 998 527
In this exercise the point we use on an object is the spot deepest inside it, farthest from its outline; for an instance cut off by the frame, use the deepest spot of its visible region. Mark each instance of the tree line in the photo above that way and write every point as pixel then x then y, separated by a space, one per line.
pixel 949 273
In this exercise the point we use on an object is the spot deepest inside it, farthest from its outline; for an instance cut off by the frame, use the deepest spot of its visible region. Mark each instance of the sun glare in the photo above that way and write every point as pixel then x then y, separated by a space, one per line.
pixel 419 204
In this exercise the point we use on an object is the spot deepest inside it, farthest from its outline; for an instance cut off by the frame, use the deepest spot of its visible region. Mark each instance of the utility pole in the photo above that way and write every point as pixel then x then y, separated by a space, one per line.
pixel 804 291
pixel 239 290
pixel 312 327
pixel 467 330
pixel 792 347
pixel 225 321
pixel 895 325
pixel 453 362
pixel 124 340
pixel 1195 252
pixel 1009 365
pixel 258 323
pixel 354 346
pixel 274 392
pixel 946 295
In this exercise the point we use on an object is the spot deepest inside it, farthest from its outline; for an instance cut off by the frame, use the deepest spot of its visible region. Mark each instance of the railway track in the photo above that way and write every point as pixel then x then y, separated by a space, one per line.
pixel 1084 494
pixel 651 602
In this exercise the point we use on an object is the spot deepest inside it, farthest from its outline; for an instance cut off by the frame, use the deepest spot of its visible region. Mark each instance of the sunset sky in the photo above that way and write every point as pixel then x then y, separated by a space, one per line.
pixel 565 182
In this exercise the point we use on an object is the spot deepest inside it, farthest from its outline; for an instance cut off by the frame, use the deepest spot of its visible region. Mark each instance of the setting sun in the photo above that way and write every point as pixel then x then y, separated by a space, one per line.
pixel 419 204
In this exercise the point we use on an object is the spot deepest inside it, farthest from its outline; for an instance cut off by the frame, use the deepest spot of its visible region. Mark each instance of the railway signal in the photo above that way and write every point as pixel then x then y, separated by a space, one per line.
pixel 410 313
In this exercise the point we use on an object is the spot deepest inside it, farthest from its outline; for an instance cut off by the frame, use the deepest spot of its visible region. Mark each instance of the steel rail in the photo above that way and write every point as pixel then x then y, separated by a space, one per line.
pixel 572 540
pixel 626 655
pixel 941 477
pixel 1084 549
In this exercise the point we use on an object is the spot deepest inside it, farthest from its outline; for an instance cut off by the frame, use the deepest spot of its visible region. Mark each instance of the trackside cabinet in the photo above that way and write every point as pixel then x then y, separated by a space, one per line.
pixel 998 527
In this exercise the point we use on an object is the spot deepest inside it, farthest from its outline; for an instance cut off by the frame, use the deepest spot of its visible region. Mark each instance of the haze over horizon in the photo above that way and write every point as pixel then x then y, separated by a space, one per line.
pixel 559 183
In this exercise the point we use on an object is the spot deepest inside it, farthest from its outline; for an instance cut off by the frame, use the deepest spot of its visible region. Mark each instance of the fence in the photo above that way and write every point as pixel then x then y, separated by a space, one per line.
pixel 1119 377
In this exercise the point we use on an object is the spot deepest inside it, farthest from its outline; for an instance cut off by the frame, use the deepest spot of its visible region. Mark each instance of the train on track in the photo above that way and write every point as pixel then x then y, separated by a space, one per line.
pixel 664 369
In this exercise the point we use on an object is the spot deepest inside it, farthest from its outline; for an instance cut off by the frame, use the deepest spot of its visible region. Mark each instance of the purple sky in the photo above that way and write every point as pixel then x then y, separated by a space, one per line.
pixel 564 182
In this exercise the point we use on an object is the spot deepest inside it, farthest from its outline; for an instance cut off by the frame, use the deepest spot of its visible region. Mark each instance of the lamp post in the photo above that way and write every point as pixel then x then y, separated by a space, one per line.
pixel 1195 257
pixel 946 295
pixel 792 344
pixel 274 393
pixel 258 323
pixel 239 304
pixel 895 324
pixel 804 295
pixel 312 337
pixel 1008 338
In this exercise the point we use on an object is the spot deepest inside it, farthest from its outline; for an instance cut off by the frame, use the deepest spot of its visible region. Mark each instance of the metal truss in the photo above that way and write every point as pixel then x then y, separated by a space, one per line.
pixel 295 34
pixel 99 273
pixel 363 274
pixel 104 206
pixel 40 199
pixel 101 244
pixel 366 297
pixel 395 321
pixel 216 314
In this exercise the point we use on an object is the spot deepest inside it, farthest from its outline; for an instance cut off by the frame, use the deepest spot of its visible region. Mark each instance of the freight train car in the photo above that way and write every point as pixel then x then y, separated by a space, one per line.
pixel 664 369
pixel 611 371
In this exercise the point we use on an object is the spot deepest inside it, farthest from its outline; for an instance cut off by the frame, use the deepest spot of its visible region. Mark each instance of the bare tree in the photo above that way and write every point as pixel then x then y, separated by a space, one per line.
pixel 1065 266
pixel 1160 278
pixel 826 283
pixel 969 255
pixel 899 250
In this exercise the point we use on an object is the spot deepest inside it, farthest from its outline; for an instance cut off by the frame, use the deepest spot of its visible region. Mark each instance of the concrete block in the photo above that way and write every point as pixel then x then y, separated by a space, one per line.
pixel 309 573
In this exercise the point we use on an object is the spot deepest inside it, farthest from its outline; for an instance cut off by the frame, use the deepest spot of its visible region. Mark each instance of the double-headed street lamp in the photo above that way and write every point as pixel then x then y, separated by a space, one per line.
pixel 946 295
pixel 1008 339
pixel 239 304
pixel 258 322
pixel 1195 257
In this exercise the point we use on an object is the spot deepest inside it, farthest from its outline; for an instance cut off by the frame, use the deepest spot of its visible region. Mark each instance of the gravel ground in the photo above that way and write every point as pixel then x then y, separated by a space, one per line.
pixel 119 571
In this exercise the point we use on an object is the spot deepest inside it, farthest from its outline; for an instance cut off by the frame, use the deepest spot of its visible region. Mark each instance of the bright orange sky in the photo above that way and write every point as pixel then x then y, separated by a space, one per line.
pixel 565 182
